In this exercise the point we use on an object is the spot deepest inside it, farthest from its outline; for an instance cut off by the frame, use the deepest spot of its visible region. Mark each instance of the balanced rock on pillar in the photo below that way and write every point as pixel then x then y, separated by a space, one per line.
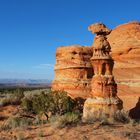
pixel 104 99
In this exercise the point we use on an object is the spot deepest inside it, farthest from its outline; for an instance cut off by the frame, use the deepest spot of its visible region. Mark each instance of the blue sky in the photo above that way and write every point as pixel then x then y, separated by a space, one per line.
pixel 31 30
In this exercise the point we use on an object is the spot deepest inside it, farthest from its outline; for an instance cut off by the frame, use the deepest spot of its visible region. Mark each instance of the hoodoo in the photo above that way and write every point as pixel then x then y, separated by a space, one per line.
pixel 104 99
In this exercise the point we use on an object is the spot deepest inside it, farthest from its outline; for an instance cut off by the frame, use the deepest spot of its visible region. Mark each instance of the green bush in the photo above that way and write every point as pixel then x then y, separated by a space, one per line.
pixel 17 96
pixel 37 104
pixel 54 102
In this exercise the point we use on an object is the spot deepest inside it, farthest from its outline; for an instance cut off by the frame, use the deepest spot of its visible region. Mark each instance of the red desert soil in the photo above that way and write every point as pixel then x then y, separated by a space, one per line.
pixel 77 132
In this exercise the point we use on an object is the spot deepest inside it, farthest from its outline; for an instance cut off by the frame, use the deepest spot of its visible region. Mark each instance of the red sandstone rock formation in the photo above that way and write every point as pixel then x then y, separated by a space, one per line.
pixel 103 87
pixel 71 66
pixel 125 43
pixel 73 70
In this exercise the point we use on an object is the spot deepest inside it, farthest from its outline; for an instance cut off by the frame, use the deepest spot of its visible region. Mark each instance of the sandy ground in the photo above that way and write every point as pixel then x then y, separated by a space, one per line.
pixel 79 132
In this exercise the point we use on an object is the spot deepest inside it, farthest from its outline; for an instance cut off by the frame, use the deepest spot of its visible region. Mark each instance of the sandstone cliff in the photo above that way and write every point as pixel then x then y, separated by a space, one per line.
pixel 125 44
pixel 73 70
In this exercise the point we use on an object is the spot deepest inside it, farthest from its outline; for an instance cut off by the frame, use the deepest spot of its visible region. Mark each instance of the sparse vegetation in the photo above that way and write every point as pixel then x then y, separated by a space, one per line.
pixel 64 120
pixel 14 122
pixel 37 108
pixel 54 103
pixel 104 119
pixel 12 98
pixel 45 109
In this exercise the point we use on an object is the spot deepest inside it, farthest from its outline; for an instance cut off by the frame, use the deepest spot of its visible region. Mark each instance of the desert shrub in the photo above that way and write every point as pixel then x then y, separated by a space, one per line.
pixel 64 120
pixel 54 102
pixel 78 104
pixel 14 122
pixel 19 122
pixel 61 103
pixel 42 103
pixel 13 98
pixel 37 104
pixel 22 122
pixel 98 116
pixel 122 116
pixel 26 104
pixel 17 96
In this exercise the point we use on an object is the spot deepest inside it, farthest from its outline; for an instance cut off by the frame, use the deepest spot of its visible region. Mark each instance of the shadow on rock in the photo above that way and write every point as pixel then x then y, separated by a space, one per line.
pixel 135 112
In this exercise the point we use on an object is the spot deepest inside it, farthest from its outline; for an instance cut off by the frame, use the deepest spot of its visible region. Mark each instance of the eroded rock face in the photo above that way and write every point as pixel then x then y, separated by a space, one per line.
pixel 73 70
pixel 103 86
pixel 125 43
pixel 103 98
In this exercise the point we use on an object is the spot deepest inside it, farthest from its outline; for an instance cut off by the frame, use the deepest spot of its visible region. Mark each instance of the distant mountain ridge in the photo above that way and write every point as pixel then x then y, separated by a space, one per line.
pixel 24 82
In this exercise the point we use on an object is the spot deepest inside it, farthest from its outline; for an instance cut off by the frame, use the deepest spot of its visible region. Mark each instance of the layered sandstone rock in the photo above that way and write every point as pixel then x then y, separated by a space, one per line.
pixel 73 70
pixel 125 43
pixel 104 98
pixel 71 65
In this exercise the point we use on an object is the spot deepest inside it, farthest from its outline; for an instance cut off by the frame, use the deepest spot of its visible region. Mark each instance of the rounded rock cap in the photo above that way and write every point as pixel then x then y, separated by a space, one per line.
pixel 99 29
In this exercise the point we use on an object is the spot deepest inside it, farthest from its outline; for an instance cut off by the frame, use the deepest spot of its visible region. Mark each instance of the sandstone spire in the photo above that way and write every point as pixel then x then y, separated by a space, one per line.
pixel 103 87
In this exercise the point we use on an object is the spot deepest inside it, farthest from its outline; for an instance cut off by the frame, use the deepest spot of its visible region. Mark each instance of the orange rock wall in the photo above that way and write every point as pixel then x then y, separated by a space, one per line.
pixel 125 46
pixel 73 70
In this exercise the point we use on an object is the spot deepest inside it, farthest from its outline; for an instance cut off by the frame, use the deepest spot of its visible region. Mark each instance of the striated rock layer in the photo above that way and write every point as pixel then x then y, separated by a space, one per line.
pixel 125 46
pixel 73 70
pixel 125 43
